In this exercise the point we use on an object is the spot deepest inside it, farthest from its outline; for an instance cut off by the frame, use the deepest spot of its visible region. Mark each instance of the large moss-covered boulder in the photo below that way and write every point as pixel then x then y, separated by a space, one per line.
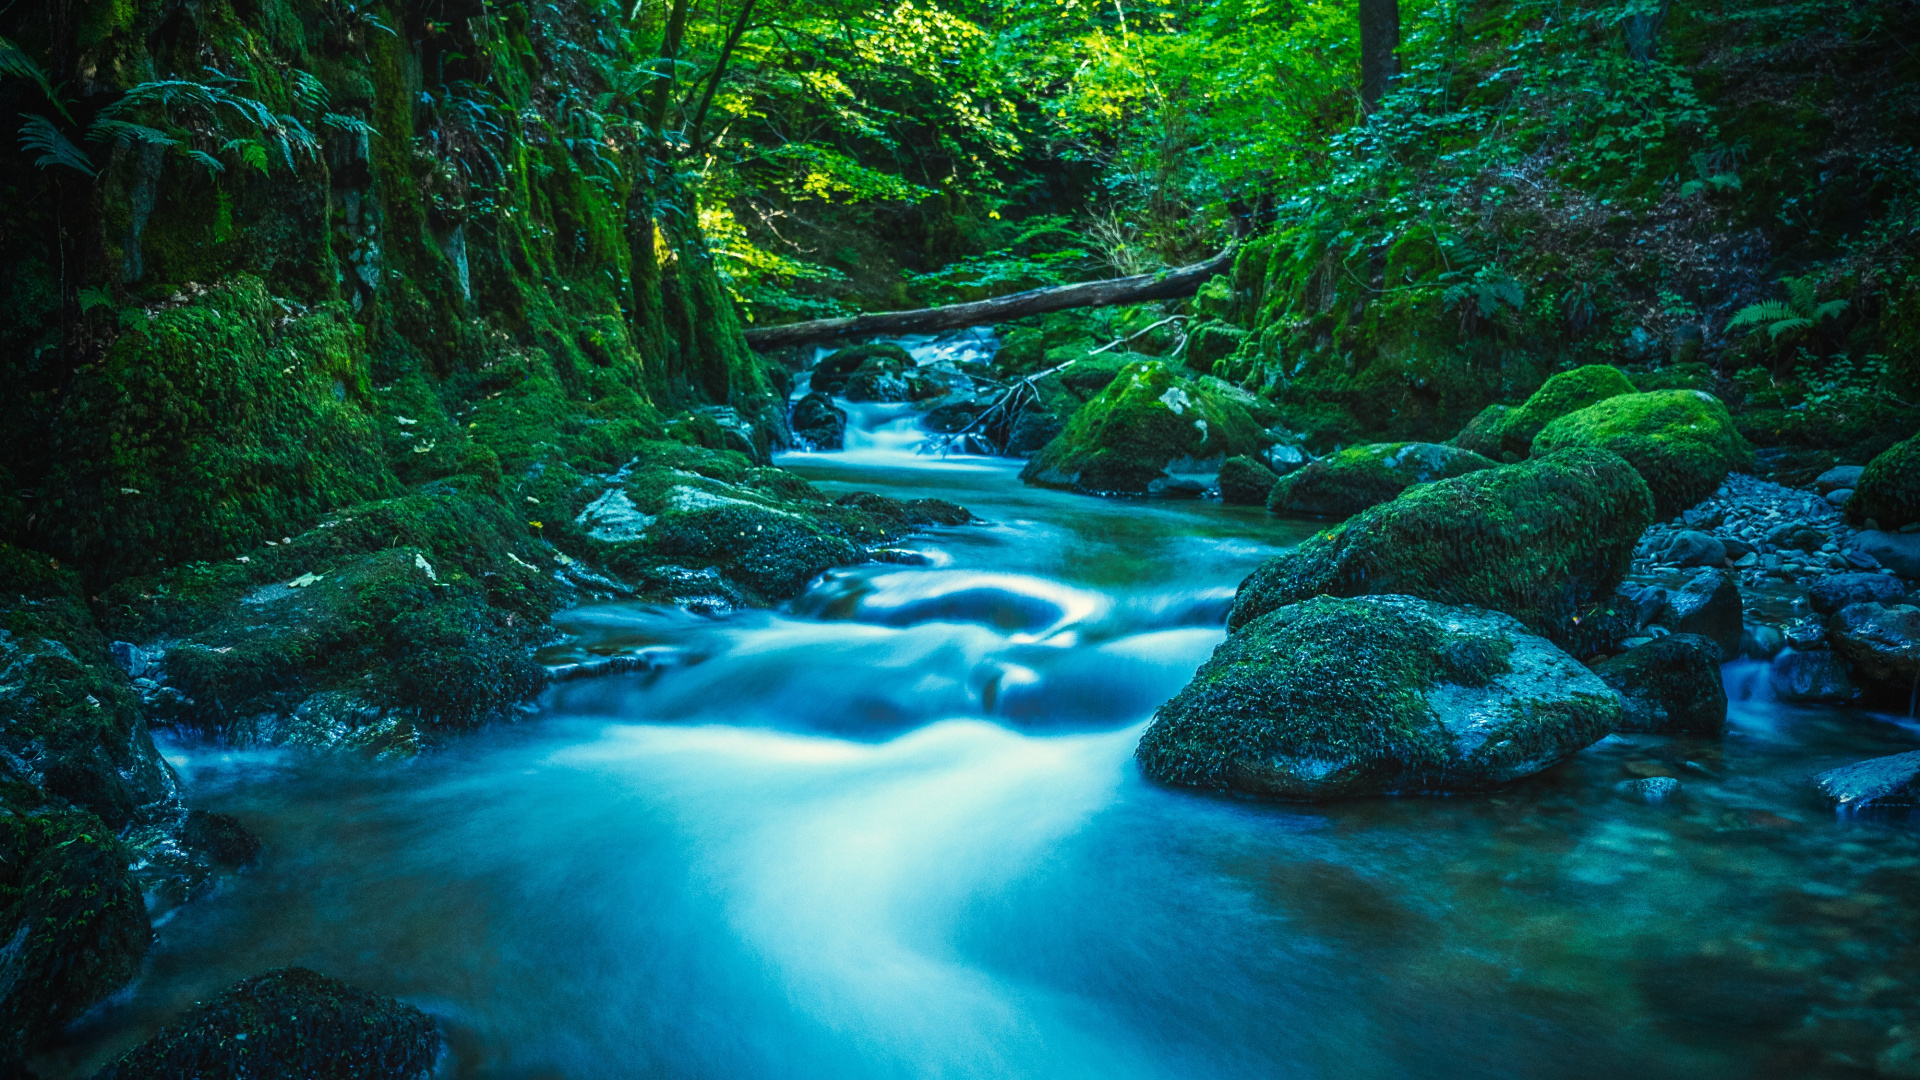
pixel 1669 685
pixel 1683 442
pixel 1567 392
pixel 1345 483
pixel 286 1023
pixel 1482 433
pixel 1330 698
pixel 1888 492
pixel 830 375
pixel 73 926
pixel 1245 481
pixel 1546 541
pixel 1149 428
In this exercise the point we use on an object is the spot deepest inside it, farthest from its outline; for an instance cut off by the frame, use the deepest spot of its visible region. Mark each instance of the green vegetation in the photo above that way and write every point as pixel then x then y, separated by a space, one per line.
pixel 1566 392
pixel 1345 483
pixel 1889 490
pixel 1151 423
pixel 1682 442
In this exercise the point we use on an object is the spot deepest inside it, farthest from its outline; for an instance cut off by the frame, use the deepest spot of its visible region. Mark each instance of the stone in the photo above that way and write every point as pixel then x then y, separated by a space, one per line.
pixel 1688 549
pixel 1343 484
pixel 1567 392
pixel 1244 481
pixel 1649 789
pixel 1839 477
pixel 1150 423
pixel 1835 591
pixel 1898 552
pixel 221 836
pixel 1283 458
pixel 1547 540
pixel 286 1023
pixel 1331 698
pixel 1669 685
pixel 831 374
pixel 1813 675
pixel 1881 642
pixel 1758 641
pixel 819 422
pixel 1683 442
pixel 1482 433
pixel 1709 605
pixel 1838 497
pixel 1888 491
pixel 1893 780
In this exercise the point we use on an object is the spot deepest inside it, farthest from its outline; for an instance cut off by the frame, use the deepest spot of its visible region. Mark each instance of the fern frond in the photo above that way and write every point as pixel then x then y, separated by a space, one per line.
pixel 38 135
pixel 125 132
pixel 348 123
pixel 1800 293
pixel 1765 311
pixel 1829 310
pixel 310 91
pixel 1785 325
pixel 213 164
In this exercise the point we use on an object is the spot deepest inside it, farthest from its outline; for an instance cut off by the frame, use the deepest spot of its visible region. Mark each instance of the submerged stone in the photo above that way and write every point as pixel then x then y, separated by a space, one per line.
pixel 1345 483
pixel 290 1022
pixel 1547 541
pixel 1330 698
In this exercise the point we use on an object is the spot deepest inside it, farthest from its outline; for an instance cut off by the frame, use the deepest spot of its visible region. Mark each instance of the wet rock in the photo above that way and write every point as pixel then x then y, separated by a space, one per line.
pixel 1839 477
pixel 1649 789
pixel 1547 541
pixel 286 1023
pixel 1668 685
pixel 1244 481
pixel 1806 633
pixel 1151 423
pixel 1689 549
pixel 1881 642
pixel 1345 483
pixel 221 837
pixel 1284 458
pixel 1831 593
pixel 1683 442
pixel 885 378
pixel 1567 392
pixel 1893 780
pixel 830 375
pixel 1812 675
pixel 819 422
pixel 1898 552
pixel 1839 497
pixel 1758 641
pixel 1888 491
pixel 953 416
pixel 72 921
pixel 1032 430
pixel 1330 698
pixel 1709 605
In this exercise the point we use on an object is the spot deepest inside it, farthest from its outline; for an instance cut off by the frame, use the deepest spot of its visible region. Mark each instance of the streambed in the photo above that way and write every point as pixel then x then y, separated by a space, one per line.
pixel 895 831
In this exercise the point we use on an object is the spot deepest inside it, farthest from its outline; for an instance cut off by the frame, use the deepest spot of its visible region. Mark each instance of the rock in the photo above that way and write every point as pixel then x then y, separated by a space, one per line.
pixel 1648 603
pixel 1547 541
pixel 1813 675
pixel 1694 549
pixel 1330 698
pixel 1683 442
pixel 1898 552
pixel 1796 536
pixel 221 837
pixel 1567 392
pixel 288 1022
pixel 1482 433
pixel 1284 458
pixel 1881 642
pixel 887 378
pixel 1893 780
pixel 1150 423
pixel 1032 430
pixel 830 375
pixel 1758 641
pixel 953 416
pixel 1669 685
pixel 72 920
pixel 1344 483
pixel 819 422
pixel 1807 633
pixel 1839 496
pixel 1649 789
pixel 1839 477
pixel 1889 490
pixel 1835 591
pixel 1709 605
pixel 1245 482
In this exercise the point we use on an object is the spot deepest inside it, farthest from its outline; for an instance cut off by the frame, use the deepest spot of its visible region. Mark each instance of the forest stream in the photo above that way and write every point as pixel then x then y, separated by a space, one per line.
pixel 895 829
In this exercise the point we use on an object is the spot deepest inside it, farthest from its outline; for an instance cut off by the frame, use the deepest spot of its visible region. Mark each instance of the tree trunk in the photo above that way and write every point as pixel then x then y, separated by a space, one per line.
pixel 1643 30
pixel 1184 281
pixel 1379 41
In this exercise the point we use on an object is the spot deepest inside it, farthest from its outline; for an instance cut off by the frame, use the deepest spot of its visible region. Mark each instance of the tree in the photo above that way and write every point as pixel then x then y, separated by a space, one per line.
pixel 1379 41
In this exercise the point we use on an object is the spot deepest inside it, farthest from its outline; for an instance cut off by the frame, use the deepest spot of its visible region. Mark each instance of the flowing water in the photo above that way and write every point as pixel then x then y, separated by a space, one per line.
pixel 895 831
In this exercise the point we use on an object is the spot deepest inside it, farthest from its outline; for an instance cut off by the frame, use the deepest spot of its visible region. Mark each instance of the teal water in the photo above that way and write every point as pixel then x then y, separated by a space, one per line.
pixel 895 831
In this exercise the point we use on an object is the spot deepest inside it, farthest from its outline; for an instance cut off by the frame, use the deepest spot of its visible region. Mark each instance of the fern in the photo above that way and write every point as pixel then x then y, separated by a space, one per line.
pixel 38 135
pixel 14 61
pixel 1799 311
pixel 310 92
pixel 124 132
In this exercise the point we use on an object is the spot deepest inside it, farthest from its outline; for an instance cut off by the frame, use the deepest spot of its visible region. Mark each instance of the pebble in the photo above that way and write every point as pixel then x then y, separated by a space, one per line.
pixel 1769 533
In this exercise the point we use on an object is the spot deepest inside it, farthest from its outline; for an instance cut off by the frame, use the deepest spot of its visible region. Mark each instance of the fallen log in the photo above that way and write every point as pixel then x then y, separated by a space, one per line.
pixel 1162 285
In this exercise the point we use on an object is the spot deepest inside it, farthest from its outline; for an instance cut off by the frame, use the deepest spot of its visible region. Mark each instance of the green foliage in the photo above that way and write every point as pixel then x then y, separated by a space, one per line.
pixel 1801 310
pixel 1148 421
pixel 1889 488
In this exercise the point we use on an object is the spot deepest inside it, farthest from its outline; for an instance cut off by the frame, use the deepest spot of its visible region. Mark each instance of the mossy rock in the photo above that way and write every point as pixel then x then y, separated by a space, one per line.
pixel 1246 482
pixel 830 375
pixel 288 1022
pixel 72 917
pixel 821 423
pixel 1546 541
pixel 1482 433
pixel 1332 698
pixel 1150 423
pixel 1669 685
pixel 1683 442
pixel 1211 342
pixel 1889 488
pixel 1569 391
pixel 1343 484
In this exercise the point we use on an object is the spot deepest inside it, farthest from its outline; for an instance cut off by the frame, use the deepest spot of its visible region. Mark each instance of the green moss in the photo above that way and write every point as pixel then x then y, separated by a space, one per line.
pixel 1345 483
pixel 1889 489
pixel 1546 541
pixel 1245 482
pixel 1149 421
pixel 1683 442
pixel 1566 392
pixel 1668 685
pixel 1482 433
pixel 288 1022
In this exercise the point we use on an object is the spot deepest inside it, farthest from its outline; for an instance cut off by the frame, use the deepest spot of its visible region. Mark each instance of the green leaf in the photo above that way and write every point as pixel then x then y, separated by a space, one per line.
pixel 38 135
